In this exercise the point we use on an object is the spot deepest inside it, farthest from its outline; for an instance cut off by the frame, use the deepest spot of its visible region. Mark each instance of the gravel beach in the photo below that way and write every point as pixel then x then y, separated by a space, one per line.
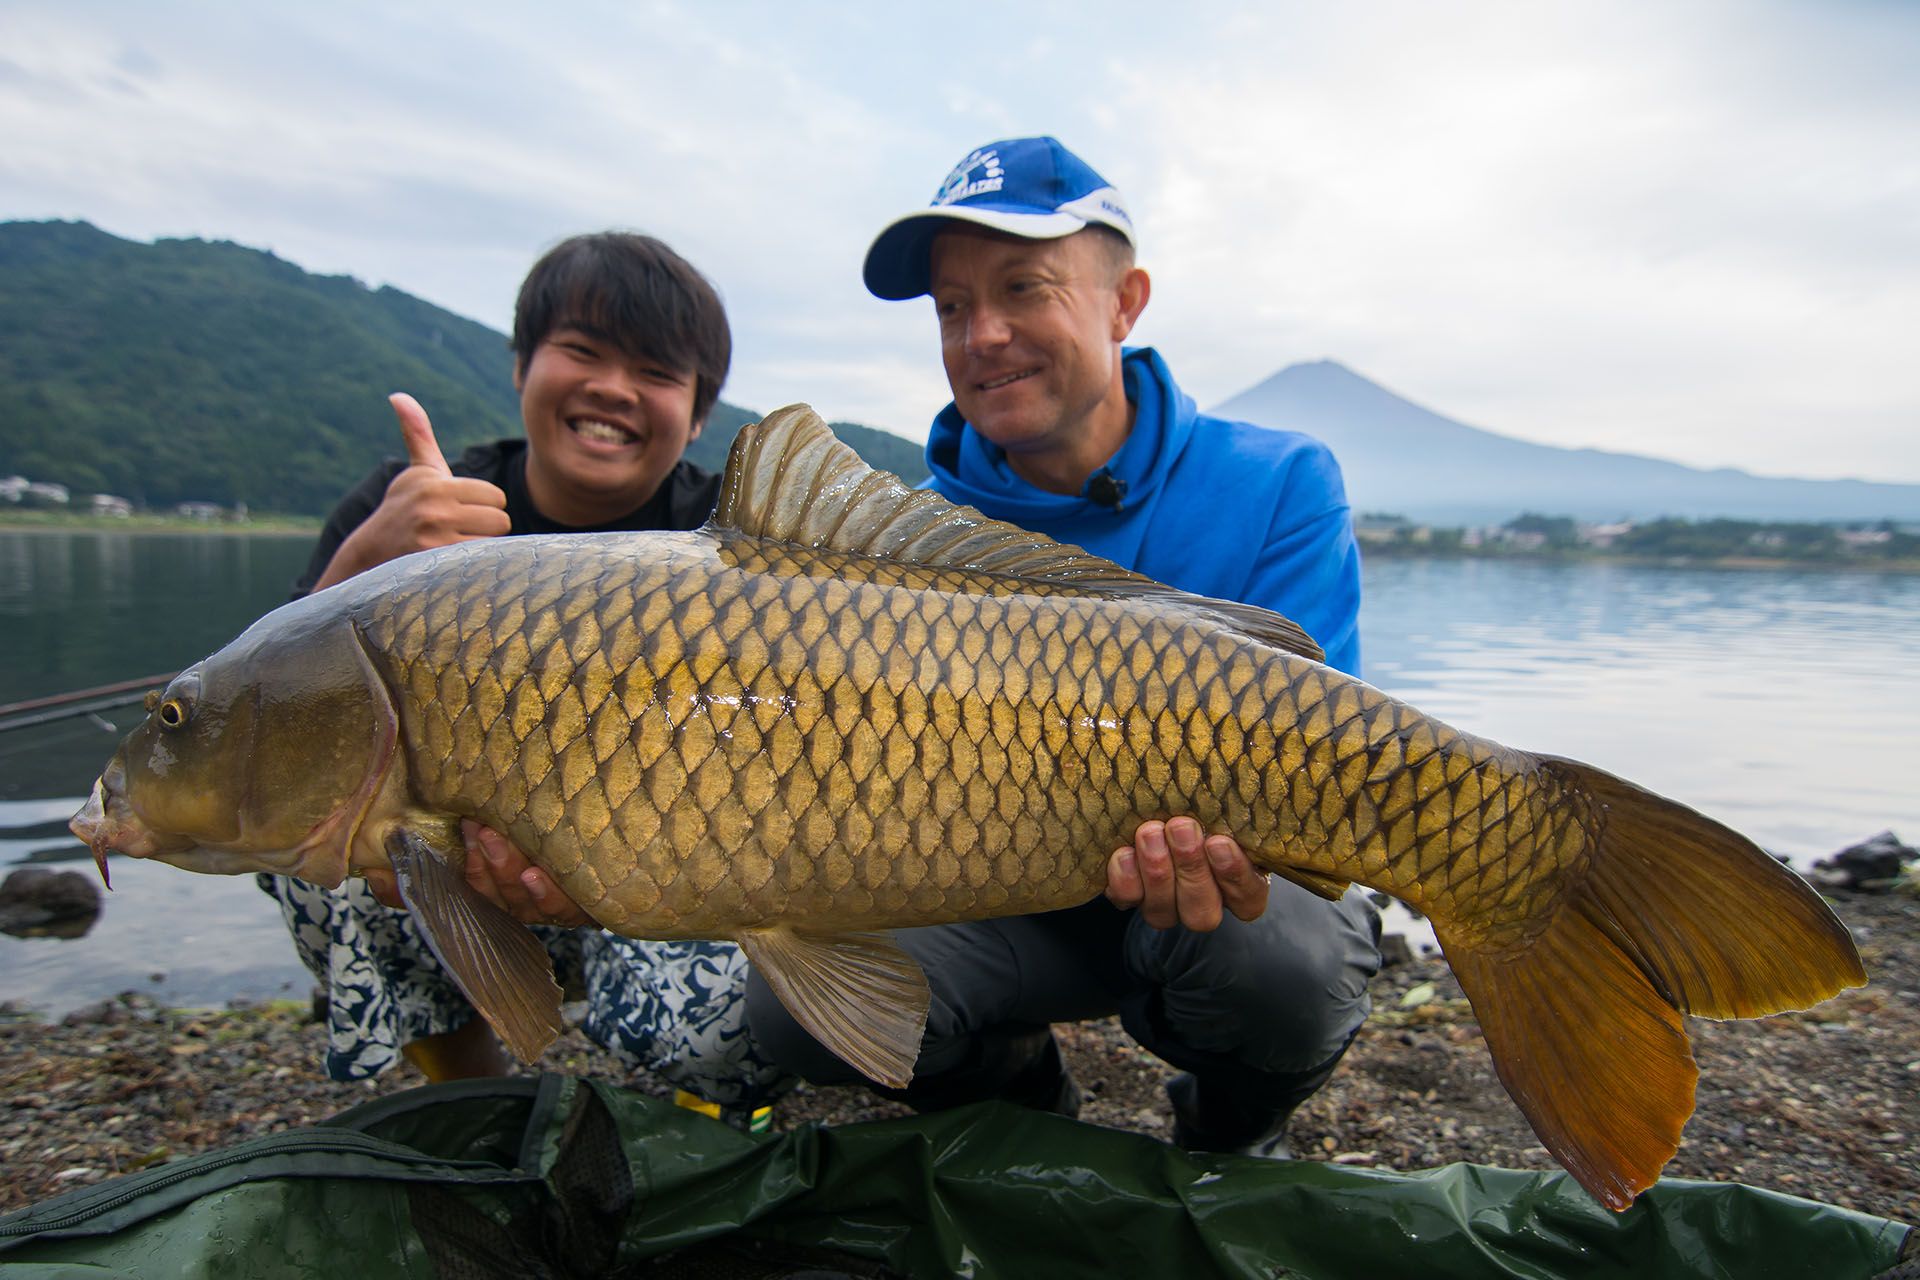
pixel 1823 1104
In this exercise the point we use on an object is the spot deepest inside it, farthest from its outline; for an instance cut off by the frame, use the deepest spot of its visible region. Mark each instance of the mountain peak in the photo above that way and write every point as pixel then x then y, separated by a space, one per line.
pixel 1321 380
pixel 1320 367
pixel 1401 456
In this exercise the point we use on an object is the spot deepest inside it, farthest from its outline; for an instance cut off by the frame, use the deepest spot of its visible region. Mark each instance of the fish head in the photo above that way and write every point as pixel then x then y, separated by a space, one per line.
pixel 264 757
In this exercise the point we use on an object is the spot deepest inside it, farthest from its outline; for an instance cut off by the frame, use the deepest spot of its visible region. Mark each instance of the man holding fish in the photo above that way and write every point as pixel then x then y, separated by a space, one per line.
pixel 1028 255
pixel 1253 992
pixel 620 350
pixel 848 725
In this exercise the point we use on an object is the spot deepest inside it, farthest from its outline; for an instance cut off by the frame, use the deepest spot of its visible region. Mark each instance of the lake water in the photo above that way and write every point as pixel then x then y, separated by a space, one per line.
pixel 82 609
pixel 1784 703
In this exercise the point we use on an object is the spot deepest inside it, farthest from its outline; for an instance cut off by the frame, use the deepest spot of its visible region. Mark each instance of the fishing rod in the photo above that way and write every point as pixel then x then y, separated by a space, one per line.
pixel 80 702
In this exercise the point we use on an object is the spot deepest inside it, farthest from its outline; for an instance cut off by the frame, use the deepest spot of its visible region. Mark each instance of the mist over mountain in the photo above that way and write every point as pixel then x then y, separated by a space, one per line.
pixel 1403 458
pixel 193 370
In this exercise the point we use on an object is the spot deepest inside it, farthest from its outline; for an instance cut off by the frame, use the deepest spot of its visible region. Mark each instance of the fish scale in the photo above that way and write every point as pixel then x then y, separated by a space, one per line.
pixel 844 755
pixel 847 706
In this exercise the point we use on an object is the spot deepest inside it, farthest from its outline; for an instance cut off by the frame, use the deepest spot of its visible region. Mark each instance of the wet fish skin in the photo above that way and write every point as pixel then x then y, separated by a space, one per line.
pixel 847 707
pixel 874 745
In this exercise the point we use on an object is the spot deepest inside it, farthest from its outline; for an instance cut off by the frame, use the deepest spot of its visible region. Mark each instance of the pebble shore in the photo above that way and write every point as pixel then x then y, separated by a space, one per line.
pixel 1823 1104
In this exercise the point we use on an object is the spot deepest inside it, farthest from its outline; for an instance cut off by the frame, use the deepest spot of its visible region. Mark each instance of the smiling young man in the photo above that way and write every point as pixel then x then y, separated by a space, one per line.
pixel 620 349
pixel 1028 255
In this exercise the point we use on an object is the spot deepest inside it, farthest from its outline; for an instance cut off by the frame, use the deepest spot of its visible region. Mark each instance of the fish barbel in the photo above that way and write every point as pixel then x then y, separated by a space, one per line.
pixel 846 706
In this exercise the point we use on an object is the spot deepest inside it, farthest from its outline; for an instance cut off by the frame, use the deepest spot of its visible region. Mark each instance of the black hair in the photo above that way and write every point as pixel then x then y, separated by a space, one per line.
pixel 633 291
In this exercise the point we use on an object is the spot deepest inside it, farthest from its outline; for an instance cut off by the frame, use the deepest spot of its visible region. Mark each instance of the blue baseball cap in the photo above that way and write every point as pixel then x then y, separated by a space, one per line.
pixel 1028 187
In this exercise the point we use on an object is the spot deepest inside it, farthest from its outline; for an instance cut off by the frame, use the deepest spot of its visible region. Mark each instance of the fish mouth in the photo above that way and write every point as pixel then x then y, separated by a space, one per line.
pixel 106 822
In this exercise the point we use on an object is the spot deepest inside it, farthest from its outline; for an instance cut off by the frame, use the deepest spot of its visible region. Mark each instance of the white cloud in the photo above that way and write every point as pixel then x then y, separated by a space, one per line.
pixel 1685 230
pixel 1607 232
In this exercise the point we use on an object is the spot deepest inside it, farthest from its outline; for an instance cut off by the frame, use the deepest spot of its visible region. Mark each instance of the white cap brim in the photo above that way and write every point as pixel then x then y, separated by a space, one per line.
pixel 897 264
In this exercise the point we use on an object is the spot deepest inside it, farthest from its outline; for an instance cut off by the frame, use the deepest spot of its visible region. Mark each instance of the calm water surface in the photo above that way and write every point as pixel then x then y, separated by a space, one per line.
pixel 81 609
pixel 1784 703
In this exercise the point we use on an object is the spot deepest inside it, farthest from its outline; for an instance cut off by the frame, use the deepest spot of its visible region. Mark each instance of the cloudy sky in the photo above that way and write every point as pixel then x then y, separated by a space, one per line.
pixel 1684 229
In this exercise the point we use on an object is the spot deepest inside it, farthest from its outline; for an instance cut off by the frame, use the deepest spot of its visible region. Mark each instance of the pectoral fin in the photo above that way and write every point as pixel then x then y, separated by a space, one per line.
pixel 500 966
pixel 858 994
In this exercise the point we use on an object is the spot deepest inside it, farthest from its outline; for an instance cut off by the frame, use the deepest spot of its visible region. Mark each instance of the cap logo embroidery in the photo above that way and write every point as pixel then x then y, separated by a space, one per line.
pixel 961 185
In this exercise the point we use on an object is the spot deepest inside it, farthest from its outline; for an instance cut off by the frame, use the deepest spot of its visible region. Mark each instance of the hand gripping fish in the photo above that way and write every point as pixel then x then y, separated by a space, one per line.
pixel 846 706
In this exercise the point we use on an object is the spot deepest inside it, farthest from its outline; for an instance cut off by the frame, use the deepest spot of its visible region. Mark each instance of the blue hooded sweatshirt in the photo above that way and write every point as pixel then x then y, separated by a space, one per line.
pixel 1218 508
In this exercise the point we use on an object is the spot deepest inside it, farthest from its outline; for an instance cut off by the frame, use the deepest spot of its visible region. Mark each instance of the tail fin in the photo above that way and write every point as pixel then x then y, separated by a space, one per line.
pixel 1674 914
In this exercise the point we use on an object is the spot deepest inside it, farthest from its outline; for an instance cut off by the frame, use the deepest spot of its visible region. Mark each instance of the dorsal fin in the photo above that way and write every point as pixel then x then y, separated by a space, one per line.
pixel 790 479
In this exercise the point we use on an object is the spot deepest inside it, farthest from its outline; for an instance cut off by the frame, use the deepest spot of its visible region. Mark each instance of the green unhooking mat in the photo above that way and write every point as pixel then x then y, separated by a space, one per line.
pixel 558 1177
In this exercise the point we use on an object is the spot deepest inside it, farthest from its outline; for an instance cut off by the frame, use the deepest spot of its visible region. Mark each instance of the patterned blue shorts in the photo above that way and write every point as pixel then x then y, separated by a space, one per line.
pixel 676 1009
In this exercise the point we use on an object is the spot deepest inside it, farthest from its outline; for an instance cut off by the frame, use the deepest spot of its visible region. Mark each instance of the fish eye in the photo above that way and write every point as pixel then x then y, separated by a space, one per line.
pixel 173 706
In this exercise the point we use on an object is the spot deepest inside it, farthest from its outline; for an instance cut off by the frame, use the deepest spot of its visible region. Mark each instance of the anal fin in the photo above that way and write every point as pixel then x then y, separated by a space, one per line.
pixel 495 960
pixel 858 994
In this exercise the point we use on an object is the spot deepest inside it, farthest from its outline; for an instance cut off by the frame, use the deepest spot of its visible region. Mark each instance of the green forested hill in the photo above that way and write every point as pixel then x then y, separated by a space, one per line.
pixel 189 370
pixel 881 449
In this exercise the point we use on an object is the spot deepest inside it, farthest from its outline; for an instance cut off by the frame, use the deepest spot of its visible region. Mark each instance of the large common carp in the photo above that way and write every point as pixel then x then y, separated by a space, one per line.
pixel 846 705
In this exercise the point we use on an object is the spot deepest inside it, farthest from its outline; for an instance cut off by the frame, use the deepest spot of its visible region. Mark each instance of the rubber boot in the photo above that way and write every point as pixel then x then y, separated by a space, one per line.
pixel 1020 1064
pixel 1242 1112
pixel 468 1052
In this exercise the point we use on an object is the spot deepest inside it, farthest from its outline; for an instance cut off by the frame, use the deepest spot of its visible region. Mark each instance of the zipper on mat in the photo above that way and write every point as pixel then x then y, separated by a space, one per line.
pixel 296 1142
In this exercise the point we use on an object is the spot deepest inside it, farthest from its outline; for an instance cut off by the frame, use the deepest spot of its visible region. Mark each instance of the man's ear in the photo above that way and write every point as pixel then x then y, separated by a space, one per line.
pixel 693 432
pixel 519 375
pixel 1131 296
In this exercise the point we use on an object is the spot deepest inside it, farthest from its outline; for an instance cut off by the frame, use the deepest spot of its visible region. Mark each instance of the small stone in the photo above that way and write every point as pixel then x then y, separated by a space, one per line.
pixel 106 1014
pixel 35 901
pixel 1873 865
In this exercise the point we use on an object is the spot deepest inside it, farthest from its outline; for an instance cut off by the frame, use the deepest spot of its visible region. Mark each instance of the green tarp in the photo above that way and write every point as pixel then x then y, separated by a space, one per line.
pixel 559 1177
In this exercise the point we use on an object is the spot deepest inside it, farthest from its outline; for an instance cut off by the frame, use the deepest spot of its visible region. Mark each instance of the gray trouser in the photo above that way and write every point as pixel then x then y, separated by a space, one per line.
pixel 1258 1004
